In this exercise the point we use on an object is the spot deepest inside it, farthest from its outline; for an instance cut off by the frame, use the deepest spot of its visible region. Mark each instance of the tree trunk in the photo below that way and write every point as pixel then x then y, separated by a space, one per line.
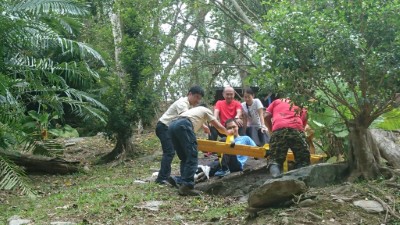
pixel 123 149
pixel 117 35
pixel 41 164
pixel 242 14
pixel 389 150
pixel 242 72
pixel 364 153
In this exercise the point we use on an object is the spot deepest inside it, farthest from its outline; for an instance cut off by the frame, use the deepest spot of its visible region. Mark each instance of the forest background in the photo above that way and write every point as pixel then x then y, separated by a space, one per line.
pixel 79 67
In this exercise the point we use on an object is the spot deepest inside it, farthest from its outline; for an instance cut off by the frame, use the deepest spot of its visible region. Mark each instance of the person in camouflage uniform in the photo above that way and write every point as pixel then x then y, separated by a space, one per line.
pixel 287 122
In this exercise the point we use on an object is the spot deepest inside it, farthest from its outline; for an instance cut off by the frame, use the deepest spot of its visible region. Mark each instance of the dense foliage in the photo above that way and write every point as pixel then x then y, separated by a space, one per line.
pixel 44 71
pixel 344 54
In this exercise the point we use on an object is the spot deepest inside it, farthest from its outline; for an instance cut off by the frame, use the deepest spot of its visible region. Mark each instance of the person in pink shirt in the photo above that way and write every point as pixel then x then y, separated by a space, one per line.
pixel 286 121
pixel 229 108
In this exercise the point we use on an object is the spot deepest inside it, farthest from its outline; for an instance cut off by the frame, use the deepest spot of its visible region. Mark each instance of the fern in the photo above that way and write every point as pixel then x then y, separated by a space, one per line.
pixel 47 148
pixel 61 7
pixel 12 176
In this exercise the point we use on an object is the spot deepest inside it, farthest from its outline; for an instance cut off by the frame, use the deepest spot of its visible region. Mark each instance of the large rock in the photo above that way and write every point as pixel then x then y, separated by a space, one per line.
pixel 242 183
pixel 237 183
pixel 320 175
pixel 276 191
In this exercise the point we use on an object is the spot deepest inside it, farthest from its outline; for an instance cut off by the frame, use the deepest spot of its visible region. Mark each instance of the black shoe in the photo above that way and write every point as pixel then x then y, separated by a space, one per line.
pixel 275 171
pixel 173 182
pixel 162 182
pixel 187 191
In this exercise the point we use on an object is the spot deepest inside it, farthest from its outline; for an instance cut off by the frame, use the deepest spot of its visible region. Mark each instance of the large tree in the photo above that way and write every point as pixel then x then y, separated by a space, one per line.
pixel 131 97
pixel 347 52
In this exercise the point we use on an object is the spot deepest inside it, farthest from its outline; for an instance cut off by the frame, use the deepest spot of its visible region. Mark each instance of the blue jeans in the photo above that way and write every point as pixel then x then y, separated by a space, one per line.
pixel 228 162
pixel 168 151
pixel 185 144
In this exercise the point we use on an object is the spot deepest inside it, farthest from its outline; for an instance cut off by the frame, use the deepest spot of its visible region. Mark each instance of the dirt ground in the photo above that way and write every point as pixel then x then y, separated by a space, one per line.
pixel 330 205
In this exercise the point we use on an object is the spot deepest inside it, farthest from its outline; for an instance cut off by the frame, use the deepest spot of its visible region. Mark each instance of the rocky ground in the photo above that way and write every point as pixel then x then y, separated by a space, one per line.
pixel 337 204
pixel 329 205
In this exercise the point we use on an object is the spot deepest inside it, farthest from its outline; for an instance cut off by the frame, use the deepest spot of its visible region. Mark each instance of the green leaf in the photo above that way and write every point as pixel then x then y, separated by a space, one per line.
pixel 11 176
pixel 342 134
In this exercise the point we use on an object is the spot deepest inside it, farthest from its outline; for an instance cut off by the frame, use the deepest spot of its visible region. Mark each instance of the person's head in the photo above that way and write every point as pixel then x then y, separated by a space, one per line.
pixel 248 96
pixel 195 94
pixel 229 94
pixel 232 124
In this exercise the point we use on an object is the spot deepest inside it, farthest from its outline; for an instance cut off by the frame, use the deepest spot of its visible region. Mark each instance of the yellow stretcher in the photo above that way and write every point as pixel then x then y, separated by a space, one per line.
pixel 257 152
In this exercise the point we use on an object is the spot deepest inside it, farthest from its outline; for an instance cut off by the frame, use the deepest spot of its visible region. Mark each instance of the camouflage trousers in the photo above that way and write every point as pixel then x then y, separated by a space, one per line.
pixel 283 139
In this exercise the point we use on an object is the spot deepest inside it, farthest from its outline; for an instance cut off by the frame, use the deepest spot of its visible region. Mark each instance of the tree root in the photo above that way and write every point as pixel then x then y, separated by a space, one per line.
pixel 390 174
pixel 387 172
pixel 298 199
pixel 116 155
pixel 355 175
pixel 390 184
pixel 315 216
pixel 397 172
pixel 386 206
pixel 382 193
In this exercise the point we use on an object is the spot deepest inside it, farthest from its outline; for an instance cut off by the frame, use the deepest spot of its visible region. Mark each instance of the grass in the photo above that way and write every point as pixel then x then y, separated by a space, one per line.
pixel 117 195
pixel 108 195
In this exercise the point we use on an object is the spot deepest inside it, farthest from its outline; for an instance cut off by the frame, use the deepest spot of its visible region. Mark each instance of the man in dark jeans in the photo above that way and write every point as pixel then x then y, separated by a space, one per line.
pixel 193 98
pixel 182 131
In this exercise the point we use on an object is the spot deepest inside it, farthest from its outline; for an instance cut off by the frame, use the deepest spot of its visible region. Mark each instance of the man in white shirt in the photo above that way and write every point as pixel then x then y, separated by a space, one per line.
pixel 182 131
pixel 194 96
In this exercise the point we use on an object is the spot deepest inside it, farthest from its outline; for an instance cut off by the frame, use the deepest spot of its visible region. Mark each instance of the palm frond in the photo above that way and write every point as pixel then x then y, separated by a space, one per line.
pixel 85 109
pixel 40 64
pixel 11 176
pixel 89 112
pixel 85 97
pixel 80 48
pixel 61 7
pixel 45 39
pixel 66 25
pixel 44 147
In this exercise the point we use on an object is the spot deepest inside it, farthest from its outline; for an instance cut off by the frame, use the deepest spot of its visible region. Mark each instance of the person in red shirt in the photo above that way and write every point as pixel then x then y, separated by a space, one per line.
pixel 286 121
pixel 229 108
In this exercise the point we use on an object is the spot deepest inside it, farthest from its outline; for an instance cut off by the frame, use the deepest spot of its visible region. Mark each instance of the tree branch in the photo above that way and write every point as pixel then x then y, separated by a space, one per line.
pixel 251 12
pixel 243 15
pixel 200 16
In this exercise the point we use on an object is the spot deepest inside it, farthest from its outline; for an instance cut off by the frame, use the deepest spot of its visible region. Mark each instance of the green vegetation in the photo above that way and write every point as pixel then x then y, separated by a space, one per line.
pixel 342 55
pixel 73 68
pixel 111 195
pixel 118 195
pixel 44 74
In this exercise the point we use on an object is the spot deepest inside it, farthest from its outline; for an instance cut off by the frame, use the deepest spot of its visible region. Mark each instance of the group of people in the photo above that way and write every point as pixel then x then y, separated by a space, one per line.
pixel 281 124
